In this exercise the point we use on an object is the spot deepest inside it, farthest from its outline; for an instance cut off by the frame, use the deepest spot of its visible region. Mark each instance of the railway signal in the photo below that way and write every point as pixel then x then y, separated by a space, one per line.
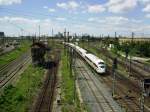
pixel 126 54
pixel 73 65
pixel 65 41
pixel 115 63
pixel 131 52
pixel 39 32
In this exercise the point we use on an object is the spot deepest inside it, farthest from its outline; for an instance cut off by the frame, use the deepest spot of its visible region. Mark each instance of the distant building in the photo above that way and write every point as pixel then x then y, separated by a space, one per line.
pixel 2 34
pixel 121 40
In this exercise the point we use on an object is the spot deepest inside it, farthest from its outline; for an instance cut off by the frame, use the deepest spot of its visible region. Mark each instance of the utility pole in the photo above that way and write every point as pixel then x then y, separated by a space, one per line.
pixel 102 35
pixel 73 64
pixel 131 51
pixel 52 38
pixel 67 36
pixel 21 33
pixel 114 76
pixel 65 40
pixel 132 37
pixel 52 33
pixel 35 36
pixel 100 38
pixel 126 57
pixel 115 34
pixel 71 60
pixel 88 37
pixel 39 32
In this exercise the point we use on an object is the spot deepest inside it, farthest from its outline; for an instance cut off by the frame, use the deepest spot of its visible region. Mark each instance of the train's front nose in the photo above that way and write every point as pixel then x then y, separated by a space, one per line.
pixel 101 69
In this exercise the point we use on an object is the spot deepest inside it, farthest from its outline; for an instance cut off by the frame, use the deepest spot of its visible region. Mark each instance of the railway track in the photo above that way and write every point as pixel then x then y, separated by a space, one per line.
pixel 102 99
pixel 44 102
pixel 5 68
pixel 123 85
pixel 10 71
pixel 141 65
pixel 129 92
pixel 130 102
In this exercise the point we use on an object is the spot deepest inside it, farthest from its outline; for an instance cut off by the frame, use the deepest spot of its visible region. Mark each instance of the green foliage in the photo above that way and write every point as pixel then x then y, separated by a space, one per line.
pixel 17 98
pixel 67 81
pixel 68 88
pixel 137 48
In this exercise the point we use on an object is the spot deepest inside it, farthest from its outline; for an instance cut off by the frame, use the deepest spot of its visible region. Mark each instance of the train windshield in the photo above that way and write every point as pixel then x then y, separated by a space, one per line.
pixel 102 66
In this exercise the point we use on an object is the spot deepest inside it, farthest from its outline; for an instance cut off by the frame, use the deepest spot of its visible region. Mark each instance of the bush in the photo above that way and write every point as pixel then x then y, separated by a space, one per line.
pixel 137 48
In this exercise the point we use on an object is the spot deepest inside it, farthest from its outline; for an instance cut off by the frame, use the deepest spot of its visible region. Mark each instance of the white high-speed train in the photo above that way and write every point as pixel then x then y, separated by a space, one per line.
pixel 97 64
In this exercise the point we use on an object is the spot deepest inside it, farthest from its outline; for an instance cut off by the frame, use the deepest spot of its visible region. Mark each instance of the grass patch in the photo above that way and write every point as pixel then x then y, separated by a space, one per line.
pixel 17 98
pixel 69 105
pixel 8 57
pixel 147 63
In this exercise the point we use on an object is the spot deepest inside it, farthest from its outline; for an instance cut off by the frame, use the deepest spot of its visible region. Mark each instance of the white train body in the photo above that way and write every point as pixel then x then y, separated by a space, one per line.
pixel 81 51
pixel 97 64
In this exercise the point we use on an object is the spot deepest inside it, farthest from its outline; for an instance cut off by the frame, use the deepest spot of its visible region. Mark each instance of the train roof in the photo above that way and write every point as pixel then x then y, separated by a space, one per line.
pixel 94 58
pixel 82 50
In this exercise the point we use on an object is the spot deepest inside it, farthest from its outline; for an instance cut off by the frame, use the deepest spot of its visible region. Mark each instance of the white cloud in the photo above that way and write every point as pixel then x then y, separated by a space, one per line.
pixel 92 19
pixel 96 8
pixel 96 19
pixel 95 25
pixel 12 25
pixel 111 24
pixel 10 2
pixel 51 10
pixel 120 6
pixel 71 5
pixel 147 16
pixel 19 20
pixel 116 20
pixel 61 19
pixel 45 7
pixel 147 8
pixel 62 5
pixel 136 21
pixel 144 1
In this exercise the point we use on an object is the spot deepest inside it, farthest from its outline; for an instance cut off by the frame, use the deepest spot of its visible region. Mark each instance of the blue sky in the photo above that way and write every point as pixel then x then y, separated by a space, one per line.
pixel 77 16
